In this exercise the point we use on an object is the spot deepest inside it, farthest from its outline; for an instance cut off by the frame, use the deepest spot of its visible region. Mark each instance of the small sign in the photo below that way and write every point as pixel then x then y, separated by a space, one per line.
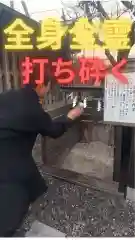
pixel 119 101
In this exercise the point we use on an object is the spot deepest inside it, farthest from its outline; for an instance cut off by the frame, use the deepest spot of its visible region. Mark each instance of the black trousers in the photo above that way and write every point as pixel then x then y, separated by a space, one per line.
pixel 14 204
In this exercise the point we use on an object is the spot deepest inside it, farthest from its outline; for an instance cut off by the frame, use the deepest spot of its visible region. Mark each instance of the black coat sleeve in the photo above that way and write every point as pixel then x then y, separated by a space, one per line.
pixel 52 128
pixel 39 121
pixel 21 112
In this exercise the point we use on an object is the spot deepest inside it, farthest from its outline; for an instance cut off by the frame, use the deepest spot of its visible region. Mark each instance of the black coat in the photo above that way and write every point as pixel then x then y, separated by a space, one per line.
pixel 21 119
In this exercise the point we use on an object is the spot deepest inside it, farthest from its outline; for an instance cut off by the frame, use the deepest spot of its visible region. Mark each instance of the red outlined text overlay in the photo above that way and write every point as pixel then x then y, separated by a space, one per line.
pixel 65 73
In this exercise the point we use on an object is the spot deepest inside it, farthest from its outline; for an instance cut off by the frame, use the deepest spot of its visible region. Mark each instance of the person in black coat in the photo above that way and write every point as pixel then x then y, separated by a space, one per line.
pixel 21 119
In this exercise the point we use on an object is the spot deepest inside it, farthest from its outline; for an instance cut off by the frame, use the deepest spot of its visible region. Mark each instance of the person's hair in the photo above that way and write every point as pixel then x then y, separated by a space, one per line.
pixel 33 84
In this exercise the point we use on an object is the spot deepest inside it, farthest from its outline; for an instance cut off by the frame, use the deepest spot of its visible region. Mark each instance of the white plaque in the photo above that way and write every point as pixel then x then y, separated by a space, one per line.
pixel 119 100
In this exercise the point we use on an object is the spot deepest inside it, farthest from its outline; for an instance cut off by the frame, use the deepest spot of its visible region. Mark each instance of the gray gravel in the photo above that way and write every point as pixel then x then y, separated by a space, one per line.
pixel 80 212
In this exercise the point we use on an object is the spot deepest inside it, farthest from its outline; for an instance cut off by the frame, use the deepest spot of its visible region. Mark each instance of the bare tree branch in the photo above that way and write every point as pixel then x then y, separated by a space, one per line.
pixel 97 40
pixel 103 15
pixel 25 8
pixel 131 35
pixel 125 11
pixel 128 4
pixel 102 10
pixel 12 4
pixel 121 53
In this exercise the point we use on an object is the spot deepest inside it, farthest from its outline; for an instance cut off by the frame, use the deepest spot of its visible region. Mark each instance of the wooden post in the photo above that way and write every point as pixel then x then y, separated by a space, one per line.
pixel 125 158
pixel 1 82
pixel 15 71
pixel 6 69
pixel 123 151
pixel 131 171
pixel 117 153
pixel 14 62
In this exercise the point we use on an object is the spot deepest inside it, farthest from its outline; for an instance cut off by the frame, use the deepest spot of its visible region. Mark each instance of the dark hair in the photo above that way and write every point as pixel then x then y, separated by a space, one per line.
pixel 35 75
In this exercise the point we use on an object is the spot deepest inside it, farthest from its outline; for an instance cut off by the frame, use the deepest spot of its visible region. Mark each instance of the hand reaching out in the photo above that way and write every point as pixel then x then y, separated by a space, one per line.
pixel 75 112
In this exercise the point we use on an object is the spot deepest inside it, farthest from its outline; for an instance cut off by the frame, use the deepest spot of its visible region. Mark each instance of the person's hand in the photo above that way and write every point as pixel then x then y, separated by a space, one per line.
pixel 75 113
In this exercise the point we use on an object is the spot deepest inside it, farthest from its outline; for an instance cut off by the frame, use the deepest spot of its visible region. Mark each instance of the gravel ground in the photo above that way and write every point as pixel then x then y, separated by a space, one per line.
pixel 80 212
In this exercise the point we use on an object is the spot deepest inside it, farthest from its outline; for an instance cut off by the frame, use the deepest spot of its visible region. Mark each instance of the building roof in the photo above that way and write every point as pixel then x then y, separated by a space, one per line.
pixel 8 14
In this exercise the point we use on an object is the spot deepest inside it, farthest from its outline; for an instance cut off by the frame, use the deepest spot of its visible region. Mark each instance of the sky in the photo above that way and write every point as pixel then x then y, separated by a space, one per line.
pixel 38 9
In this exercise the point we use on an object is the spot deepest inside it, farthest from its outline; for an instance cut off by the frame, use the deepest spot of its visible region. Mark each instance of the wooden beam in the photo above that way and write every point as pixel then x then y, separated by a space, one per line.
pixel 82 180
